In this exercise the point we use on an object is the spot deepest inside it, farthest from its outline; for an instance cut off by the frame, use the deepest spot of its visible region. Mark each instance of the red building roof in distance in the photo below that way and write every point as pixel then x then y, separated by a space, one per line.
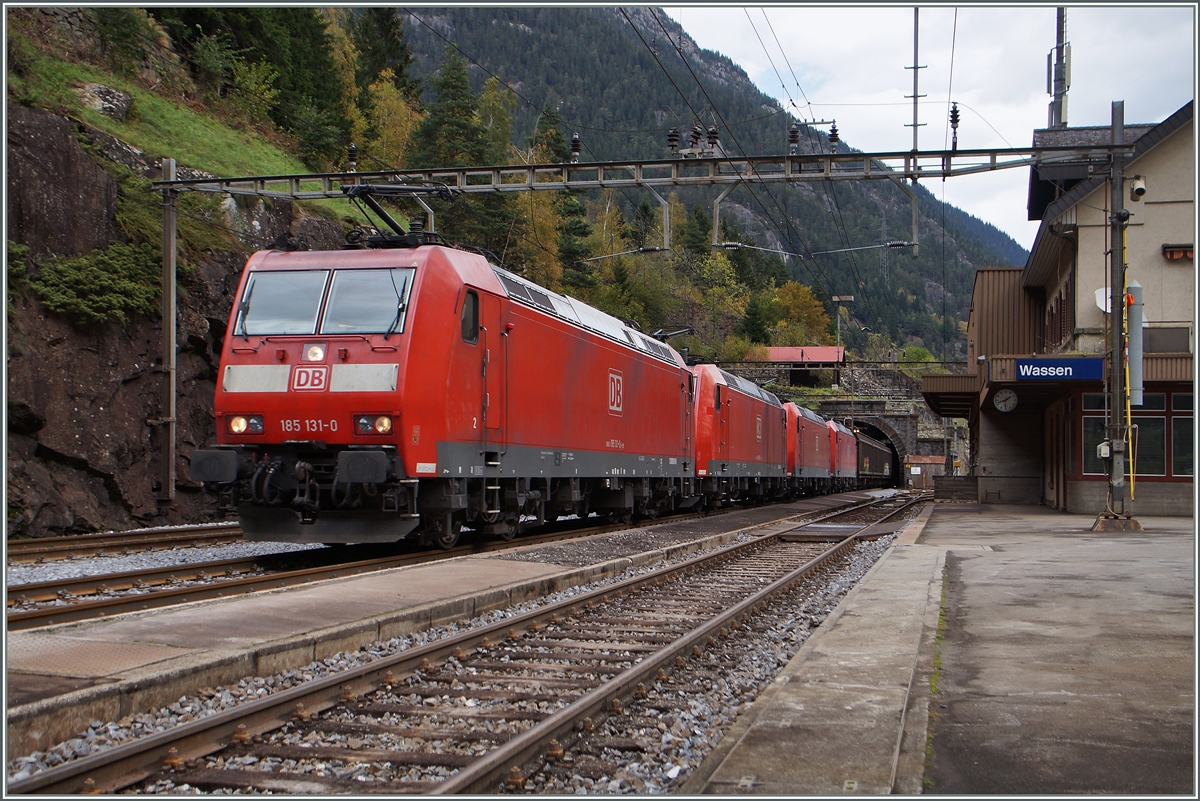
pixel 815 353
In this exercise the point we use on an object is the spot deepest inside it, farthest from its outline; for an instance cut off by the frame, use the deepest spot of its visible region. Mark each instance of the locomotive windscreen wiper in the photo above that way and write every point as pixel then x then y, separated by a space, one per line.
pixel 399 307
pixel 243 307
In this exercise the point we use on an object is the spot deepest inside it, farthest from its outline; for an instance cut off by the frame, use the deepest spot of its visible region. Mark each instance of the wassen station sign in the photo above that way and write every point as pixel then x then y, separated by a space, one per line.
pixel 1065 369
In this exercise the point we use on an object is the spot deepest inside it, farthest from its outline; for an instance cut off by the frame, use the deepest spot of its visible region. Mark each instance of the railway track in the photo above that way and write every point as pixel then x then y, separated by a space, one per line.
pixel 144 539
pixel 483 710
pixel 84 598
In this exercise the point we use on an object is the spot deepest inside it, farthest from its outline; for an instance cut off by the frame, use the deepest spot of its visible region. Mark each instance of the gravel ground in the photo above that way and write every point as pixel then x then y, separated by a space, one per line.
pixel 116 563
pixel 683 718
pixel 633 541
pixel 702 724
pixel 102 735
pixel 653 745
pixel 579 553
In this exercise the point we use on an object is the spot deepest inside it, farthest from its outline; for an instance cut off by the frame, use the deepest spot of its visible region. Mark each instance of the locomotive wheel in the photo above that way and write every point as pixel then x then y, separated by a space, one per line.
pixel 446 533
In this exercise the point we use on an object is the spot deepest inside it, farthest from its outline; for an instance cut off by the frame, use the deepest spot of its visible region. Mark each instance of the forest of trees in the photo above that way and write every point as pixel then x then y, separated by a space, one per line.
pixel 476 86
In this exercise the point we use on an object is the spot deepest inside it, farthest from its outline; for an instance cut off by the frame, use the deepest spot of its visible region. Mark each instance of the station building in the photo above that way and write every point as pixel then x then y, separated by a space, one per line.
pixel 1034 390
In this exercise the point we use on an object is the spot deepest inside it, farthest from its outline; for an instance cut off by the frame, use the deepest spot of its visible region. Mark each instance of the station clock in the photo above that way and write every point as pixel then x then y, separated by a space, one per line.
pixel 1005 400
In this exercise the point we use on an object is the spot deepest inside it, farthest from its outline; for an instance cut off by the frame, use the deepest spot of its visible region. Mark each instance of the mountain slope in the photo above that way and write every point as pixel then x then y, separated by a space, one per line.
pixel 617 78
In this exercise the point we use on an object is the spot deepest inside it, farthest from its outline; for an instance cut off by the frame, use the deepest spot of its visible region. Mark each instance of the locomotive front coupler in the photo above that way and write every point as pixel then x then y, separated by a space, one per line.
pixel 308 495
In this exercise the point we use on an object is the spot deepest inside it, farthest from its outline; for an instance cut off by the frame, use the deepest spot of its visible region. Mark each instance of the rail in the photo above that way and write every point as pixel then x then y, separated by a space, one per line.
pixel 176 752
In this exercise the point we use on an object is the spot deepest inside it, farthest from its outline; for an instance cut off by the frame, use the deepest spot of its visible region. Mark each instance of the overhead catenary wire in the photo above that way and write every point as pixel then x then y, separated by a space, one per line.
pixel 757 200
pixel 830 194
pixel 540 108
pixel 789 66
pixel 574 124
pixel 945 142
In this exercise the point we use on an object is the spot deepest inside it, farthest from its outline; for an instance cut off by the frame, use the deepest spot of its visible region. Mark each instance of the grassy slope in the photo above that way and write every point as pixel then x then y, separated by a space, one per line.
pixel 162 127
pixel 157 126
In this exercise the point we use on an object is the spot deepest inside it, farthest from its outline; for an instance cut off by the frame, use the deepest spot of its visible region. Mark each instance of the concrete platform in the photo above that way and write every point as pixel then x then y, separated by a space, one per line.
pixel 1065 665
pixel 61 677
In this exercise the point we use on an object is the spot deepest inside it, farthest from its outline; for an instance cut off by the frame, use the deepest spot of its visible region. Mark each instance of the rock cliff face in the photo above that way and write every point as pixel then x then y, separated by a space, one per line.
pixel 81 455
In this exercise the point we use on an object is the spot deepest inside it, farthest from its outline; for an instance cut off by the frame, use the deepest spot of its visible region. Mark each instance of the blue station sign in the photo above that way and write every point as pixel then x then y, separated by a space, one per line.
pixel 1071 368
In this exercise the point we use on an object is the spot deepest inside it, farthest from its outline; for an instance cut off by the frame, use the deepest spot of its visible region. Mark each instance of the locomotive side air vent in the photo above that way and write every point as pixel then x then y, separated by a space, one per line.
pixel 515 290
pixel 581 314
pixel 540 299
pixel 658 349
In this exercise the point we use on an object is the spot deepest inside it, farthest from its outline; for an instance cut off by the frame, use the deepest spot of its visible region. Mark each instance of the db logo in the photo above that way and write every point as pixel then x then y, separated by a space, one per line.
pixel 616 394
pixel 309 378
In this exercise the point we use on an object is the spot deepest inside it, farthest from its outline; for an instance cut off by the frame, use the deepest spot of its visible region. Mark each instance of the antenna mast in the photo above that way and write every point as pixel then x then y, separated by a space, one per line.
pixel 1058 76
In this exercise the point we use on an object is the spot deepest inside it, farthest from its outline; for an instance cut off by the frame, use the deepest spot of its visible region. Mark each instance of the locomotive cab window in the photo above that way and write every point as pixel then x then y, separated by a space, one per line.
pixel 470 318
pixel 367 302
pixel 279 303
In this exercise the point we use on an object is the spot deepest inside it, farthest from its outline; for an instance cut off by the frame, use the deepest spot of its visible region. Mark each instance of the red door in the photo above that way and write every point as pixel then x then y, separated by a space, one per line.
pixel 494 341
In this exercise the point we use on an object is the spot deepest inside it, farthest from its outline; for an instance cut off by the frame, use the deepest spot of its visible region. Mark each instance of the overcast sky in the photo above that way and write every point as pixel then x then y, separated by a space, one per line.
pixel 850 65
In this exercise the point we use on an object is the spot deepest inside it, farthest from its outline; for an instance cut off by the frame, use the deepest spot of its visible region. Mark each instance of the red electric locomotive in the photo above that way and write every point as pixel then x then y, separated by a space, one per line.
pixel 843 456
pixel 741 437
pixel 809 459
pixel 373 395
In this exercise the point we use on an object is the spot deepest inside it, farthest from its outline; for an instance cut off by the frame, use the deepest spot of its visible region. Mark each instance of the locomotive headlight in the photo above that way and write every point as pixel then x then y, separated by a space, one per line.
pixel 246 424
pixel 372 424
pixel 314 352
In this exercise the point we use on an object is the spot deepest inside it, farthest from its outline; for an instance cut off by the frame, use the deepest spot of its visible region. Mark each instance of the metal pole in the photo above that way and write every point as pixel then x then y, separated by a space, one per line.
pixel 916 72
pixel 666 212
pixel 716 232
pixel 1058 116
pixel 1116 431
pixel 915 96
pixel 167 420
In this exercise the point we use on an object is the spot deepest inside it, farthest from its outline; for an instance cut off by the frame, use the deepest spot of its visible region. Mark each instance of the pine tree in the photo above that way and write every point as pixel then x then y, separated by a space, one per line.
pixel 379 38
pixel 451 134
pixel 642 225
pixel 573 227
pixel 754 322
pixel 696 233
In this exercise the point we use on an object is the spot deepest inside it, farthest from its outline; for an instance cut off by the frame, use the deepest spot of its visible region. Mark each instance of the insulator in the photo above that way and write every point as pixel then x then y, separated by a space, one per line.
pixel 954 116
pixel 794 136
pixel 833 137
pixel 575 144
pixel 696 135
pixel 416 225
pixel 352 152
pixel 713 136
pixel 673 138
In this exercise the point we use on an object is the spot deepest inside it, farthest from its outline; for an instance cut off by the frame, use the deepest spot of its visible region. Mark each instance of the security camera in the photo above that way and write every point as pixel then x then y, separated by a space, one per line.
pixel 1137 188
